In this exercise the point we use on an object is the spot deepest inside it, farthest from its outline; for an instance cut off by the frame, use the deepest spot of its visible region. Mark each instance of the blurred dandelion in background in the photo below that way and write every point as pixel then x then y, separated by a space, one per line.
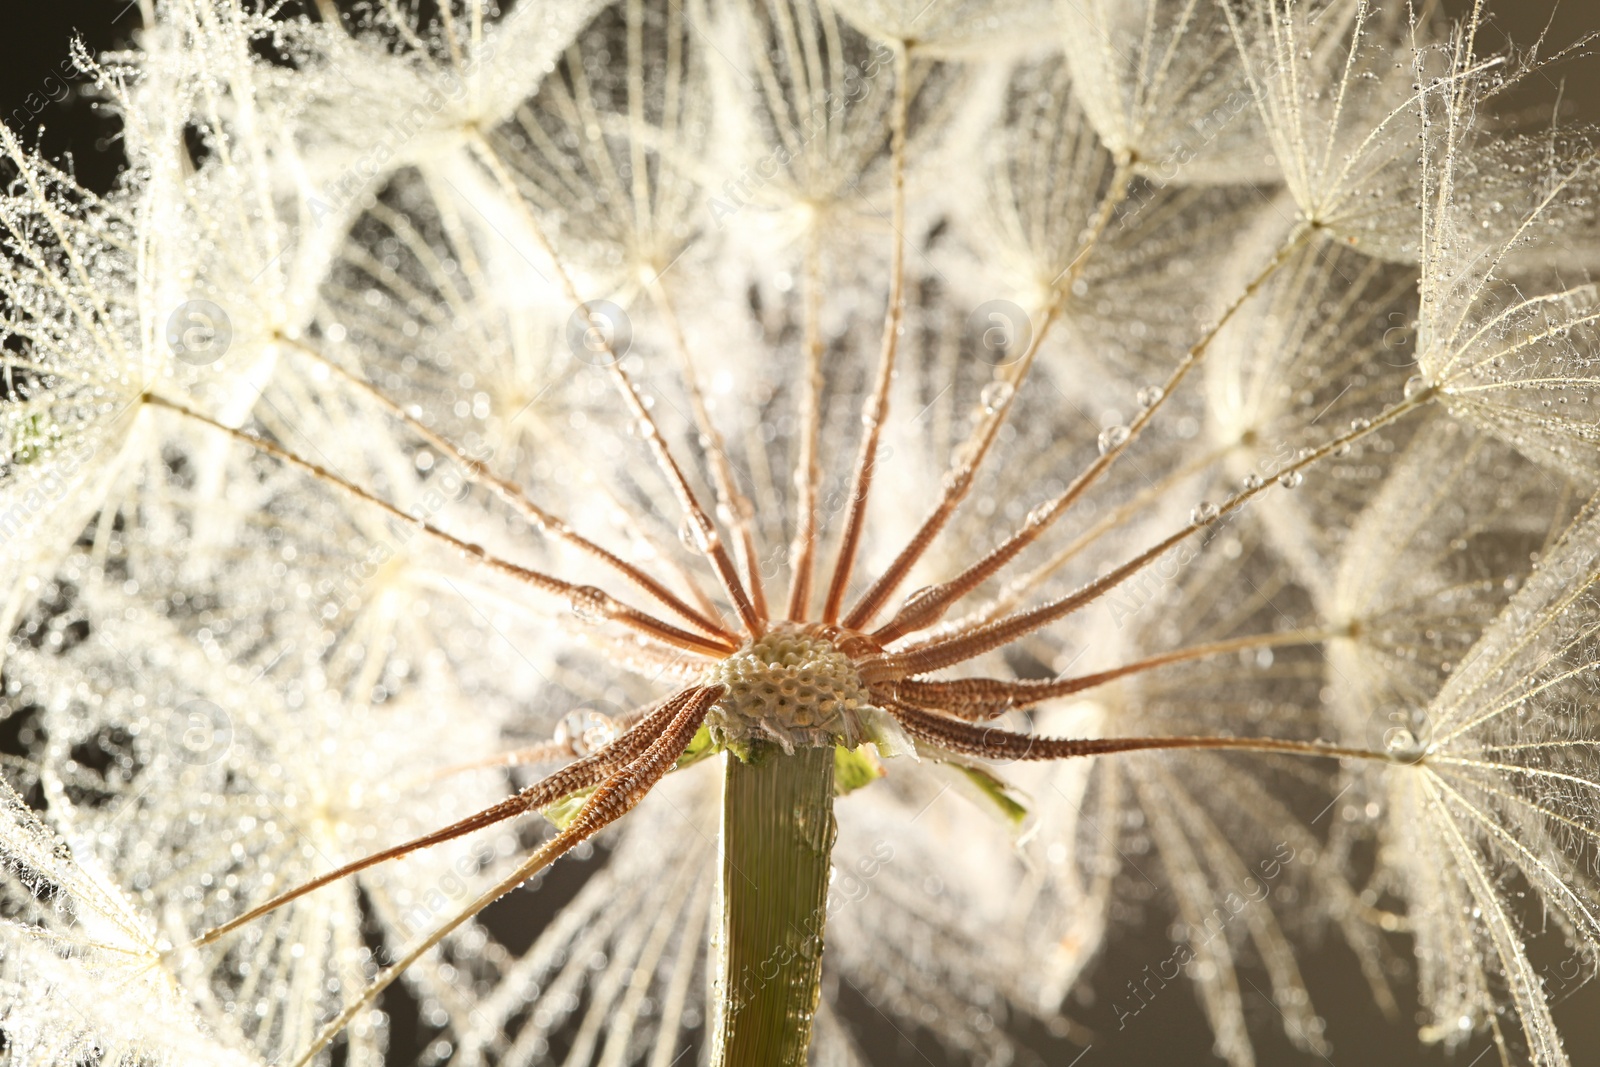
pixel 655 532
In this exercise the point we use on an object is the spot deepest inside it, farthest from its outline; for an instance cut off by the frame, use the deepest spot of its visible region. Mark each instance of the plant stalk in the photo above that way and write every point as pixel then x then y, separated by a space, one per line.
pixel 772 891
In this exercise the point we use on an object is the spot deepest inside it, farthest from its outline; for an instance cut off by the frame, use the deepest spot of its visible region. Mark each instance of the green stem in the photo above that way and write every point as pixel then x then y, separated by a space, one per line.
pixel 772 890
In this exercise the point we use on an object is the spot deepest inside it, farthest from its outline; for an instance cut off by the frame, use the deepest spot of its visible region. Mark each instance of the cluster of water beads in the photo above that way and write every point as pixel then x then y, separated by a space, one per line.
pixel 1114 437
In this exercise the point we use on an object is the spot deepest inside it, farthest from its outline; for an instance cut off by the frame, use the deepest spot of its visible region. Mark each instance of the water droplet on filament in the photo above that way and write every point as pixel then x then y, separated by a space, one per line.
pixel 1112 437
pixel 996 395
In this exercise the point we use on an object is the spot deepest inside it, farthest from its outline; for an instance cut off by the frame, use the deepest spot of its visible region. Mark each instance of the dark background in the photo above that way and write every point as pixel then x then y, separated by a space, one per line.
pixel 49 110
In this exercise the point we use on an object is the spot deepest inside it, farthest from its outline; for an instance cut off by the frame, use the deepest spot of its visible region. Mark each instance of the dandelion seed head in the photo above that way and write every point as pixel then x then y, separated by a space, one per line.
pixel 1059 378
pixel 790 685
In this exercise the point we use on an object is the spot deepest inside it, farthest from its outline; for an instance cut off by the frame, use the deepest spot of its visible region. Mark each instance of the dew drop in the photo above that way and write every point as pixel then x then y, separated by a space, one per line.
pixel 1252 481
pixel 995 396
pixel 697 537
pixel 1150 396
pixel 1414 385
pixel 1112 437
pixel 920 598
pixel 1290 479
pixel 1203 513
pixel 591 604
pixel 585 730
pixel 1401 742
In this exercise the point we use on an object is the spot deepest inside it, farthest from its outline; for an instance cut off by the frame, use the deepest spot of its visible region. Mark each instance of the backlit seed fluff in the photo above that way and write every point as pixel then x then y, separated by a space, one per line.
pixel 1139 456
